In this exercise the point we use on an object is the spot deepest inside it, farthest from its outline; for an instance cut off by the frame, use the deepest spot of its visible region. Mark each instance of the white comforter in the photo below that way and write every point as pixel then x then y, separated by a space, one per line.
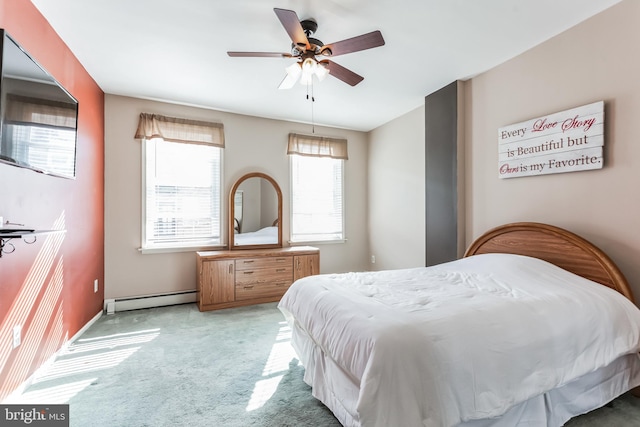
pixel 463 340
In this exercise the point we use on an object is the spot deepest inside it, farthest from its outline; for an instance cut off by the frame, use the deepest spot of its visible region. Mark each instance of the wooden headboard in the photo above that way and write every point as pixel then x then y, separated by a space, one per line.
pixel 557 246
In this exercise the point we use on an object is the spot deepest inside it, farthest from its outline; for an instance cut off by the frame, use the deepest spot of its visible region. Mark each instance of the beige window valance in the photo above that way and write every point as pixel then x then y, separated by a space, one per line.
pixel 40 112
pixel 317 146
pixel 180 130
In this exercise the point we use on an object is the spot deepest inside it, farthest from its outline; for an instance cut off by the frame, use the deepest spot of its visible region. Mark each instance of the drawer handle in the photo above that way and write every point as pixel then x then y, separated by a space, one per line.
pixel 248 272
pixel 249 261
pixel 281 284
pixel 248 287
pixel 280 270
pixel 281 259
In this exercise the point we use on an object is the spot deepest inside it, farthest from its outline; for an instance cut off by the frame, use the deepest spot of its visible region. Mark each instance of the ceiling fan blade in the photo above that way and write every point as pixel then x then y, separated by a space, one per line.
pixel 291 24
pixel 288 82
pixel 341 73
pixel 260 54
pixel 354 44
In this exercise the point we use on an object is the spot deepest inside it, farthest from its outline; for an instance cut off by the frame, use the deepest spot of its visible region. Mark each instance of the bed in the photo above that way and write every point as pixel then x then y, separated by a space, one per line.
pixel 534 326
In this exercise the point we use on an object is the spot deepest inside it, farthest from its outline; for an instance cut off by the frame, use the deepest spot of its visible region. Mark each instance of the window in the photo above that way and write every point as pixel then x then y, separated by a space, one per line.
pixel 182 191
pixel 317 179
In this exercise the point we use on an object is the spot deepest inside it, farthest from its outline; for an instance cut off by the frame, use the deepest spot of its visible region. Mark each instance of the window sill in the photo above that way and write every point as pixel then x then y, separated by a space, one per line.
pixel 170 249
pixel 316 242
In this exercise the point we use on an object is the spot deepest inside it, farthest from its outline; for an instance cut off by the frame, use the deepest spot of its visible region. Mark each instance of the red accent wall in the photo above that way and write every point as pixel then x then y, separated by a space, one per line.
pixel 47 286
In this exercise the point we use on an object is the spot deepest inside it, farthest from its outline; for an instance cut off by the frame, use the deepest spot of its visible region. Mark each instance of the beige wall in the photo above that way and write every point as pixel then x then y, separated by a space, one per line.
pixel 596 60
pixel 397 193
pixel 252 144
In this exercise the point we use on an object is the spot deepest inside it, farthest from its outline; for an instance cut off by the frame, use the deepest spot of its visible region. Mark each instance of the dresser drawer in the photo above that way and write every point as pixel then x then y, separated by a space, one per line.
pixel 266 262
pixel 264 275
pixel 275 288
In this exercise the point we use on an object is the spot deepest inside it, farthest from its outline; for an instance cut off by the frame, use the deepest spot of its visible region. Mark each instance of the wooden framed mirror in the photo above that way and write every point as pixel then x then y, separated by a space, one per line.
pixel 255 213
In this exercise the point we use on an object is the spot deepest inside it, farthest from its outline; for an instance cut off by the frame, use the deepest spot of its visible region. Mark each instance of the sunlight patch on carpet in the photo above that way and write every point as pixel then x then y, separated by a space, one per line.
pixel 262 392
pixel 279 358
pixel 54 395
pixel 277 363
pixel 95 354
pixel 84 364
pixel 112 341
pixel 82 357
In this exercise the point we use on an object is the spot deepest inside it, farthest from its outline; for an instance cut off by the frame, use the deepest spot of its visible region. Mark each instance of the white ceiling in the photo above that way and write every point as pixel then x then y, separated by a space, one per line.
pixel 175 50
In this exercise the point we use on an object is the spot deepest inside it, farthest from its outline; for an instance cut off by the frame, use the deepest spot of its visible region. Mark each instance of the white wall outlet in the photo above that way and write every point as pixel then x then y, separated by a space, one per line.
pixel 373 259
pixel 17 335
pixel 95 286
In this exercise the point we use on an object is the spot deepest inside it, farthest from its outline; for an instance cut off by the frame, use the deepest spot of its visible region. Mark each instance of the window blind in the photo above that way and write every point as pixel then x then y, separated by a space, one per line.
pixel 316 199
pixel 182 194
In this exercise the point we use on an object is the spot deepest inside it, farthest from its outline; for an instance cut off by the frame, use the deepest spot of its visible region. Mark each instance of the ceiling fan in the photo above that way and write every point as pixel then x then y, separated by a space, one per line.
pixel 306 48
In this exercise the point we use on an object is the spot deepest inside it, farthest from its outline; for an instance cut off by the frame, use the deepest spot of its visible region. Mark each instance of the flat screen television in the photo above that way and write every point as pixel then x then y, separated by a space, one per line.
pixel 37 115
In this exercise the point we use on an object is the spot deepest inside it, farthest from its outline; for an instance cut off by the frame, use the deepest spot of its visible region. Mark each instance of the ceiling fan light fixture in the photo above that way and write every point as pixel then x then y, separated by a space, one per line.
pixel 321 72
pixel 305 79
pixel 294 70
pixel 309 68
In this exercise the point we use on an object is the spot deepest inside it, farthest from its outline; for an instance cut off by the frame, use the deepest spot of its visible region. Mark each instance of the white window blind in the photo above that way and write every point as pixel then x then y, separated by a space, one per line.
pixel 316 199
pixel 183 185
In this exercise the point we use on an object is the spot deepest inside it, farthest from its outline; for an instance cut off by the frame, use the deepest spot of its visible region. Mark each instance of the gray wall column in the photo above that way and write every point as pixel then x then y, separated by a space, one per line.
pixel 441 174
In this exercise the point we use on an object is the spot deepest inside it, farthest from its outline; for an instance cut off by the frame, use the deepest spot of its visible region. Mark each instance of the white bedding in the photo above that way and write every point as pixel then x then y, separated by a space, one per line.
pixel 462 341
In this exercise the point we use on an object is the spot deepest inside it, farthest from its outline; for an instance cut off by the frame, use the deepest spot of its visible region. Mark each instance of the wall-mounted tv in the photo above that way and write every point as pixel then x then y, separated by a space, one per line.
pixel 37 115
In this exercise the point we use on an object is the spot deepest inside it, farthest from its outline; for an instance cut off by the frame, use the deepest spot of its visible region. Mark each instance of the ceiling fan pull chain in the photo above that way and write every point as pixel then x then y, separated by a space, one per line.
pixel 313 122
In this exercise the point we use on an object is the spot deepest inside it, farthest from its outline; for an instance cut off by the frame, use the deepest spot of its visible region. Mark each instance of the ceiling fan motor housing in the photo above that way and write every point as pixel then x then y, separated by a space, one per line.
pixel 309 26
pixel 316 48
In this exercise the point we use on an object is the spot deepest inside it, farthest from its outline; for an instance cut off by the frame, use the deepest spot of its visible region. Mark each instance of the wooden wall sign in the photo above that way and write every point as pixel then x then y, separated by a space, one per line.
pixel 568 141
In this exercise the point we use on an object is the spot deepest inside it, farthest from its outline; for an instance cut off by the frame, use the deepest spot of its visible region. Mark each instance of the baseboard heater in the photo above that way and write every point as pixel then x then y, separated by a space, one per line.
pixel 148 301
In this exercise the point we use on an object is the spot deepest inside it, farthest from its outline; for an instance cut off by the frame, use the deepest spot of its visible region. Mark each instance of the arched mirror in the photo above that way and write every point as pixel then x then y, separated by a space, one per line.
pixel 255 213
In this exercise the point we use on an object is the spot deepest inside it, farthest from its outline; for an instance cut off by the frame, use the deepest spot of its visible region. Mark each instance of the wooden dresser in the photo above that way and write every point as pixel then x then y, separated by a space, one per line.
pixel 243 277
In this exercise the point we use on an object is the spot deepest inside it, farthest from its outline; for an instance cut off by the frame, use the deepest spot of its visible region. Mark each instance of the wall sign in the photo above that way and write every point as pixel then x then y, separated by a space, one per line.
pixel 568 141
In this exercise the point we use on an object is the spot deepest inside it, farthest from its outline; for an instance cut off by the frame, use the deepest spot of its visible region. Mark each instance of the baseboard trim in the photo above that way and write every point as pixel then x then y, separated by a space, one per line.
pixel 149 301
